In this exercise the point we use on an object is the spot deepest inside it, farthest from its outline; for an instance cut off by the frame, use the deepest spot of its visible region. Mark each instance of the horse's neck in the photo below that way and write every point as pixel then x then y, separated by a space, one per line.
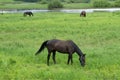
pixel 78 51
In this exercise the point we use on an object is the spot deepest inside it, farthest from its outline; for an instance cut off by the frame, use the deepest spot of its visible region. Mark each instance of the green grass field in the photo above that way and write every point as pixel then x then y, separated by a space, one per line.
pixel 97 35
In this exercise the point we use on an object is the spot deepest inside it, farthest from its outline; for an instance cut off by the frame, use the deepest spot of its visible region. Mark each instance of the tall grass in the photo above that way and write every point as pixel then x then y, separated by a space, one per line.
pixel 97 35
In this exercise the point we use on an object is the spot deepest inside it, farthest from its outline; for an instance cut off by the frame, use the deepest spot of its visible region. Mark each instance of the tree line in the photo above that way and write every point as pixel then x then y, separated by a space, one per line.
pixel 58 3
pixel 68 1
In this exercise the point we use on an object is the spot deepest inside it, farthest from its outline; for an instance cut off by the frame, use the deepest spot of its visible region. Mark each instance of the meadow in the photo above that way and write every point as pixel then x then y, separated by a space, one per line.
pixel 97 35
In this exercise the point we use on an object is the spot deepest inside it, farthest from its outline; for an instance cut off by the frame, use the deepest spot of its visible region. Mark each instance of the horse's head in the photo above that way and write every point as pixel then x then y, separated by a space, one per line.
pixel 83 14
pixel 82 60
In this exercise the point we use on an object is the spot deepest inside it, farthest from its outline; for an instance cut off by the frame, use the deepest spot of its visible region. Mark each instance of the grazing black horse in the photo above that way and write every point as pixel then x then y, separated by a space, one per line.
pixel 83 14
pixel 68 47
pixel 28 13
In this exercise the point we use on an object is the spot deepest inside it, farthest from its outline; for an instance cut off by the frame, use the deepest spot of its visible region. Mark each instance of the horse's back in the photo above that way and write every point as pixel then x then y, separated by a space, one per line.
pixel 60 42
pixel 28 13
pixel 60 45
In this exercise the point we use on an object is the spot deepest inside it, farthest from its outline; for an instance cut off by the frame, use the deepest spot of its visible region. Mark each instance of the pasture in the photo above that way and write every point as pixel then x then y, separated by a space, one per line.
pixel 97 35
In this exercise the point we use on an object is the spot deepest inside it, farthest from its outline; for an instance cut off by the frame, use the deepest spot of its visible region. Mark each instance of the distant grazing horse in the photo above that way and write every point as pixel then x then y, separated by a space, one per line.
pixel 66 47
pixel 28 13
pixel 83 14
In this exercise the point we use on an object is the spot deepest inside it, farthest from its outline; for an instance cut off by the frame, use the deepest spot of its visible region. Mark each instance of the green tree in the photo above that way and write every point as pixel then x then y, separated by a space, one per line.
pixel 117 3
pixel 43 1
pixel 55 4
pixel 28 0
pixel 101 3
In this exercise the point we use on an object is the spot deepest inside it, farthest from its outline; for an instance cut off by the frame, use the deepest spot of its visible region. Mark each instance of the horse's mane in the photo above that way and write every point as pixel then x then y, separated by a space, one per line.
pixel 77 49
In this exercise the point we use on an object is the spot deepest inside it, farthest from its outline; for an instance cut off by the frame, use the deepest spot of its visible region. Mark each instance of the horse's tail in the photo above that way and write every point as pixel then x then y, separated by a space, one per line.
pixel 42 47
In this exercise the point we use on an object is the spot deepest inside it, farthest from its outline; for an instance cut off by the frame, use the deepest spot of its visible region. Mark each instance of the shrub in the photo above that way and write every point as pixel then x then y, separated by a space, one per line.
pixel 30 0
pixel 70 1
pixel 55 4
pixel 77 1
pixel 101 3
pixel 117 3
pixel 86 1
pixel 111 0
pixel 43 2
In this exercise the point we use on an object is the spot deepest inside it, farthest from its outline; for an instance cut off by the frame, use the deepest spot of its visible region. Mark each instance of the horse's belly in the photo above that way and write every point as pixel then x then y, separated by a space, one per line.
pixel 63 52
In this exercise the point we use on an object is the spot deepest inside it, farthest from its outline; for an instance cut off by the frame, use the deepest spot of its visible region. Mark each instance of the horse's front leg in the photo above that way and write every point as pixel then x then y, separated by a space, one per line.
pixel 54 53
pixel 48 57
pixel 69 58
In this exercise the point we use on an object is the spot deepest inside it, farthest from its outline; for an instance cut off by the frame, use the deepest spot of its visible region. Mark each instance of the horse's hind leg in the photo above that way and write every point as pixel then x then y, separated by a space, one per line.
pixel 48 57
pixel 70 58
pixel 53 56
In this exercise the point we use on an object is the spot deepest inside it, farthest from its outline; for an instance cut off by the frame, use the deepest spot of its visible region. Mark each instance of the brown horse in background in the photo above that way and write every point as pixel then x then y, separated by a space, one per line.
pixel 28 13
pixel 83 14
pixel 66 47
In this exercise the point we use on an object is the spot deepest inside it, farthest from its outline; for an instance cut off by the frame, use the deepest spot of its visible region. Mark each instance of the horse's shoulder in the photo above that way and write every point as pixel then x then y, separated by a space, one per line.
pixel 69 41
